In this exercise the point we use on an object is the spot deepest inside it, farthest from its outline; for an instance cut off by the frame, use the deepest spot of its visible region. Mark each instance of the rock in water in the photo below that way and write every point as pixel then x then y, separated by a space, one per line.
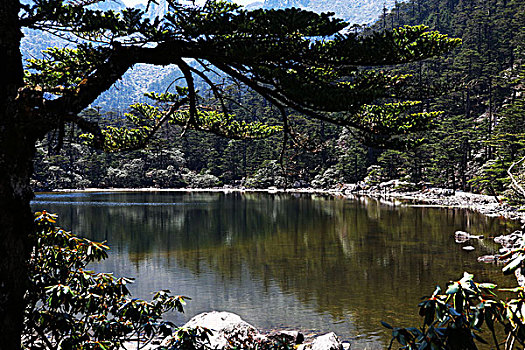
pixel 328 341
pixel 228 330
pixel 231 332
pixel 462 236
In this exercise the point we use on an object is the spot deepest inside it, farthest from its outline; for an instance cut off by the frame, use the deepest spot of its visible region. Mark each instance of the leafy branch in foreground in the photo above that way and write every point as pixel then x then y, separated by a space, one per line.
pixel 69 307
pixel 454 319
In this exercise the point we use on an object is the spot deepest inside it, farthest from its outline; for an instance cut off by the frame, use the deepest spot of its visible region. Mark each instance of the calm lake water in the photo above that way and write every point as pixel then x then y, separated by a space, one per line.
pixel 308 262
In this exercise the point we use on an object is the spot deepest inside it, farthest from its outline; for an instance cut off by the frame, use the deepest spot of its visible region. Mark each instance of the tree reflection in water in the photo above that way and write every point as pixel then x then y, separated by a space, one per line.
pixel 308 262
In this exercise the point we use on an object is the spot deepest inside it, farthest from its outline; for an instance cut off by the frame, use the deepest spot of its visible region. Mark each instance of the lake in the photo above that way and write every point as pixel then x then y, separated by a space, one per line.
pixel 294 261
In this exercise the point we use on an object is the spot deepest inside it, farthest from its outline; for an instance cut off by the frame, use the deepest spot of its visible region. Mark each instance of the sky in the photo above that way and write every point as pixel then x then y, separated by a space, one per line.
pixel 131 3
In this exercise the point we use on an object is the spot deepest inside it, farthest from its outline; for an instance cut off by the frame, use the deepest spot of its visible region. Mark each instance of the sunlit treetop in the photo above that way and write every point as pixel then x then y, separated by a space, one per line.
pixel 294 59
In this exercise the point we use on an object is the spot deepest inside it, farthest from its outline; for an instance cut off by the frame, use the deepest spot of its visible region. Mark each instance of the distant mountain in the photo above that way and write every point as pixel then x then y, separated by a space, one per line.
pixel 143 78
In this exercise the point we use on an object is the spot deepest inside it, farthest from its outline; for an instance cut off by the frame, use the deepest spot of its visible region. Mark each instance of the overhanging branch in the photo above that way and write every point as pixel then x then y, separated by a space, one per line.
pixel 192 94
pixel 167 115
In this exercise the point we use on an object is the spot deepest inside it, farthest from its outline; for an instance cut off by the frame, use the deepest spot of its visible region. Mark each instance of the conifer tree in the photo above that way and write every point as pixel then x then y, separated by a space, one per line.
pixel 473 87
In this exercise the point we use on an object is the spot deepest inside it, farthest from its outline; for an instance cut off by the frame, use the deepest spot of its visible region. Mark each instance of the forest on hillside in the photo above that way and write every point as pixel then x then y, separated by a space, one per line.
pixel 479 87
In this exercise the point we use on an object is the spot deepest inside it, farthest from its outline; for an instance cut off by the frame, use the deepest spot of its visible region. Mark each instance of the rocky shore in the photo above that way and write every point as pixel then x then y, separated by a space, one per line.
pixel 403 193
pixel 394 192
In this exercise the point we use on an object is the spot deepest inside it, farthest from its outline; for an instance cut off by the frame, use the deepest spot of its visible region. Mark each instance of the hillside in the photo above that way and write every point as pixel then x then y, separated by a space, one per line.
pixel 479 88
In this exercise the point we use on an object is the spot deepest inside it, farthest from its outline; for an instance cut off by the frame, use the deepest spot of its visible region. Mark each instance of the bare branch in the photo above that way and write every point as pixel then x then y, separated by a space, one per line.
pixel 186 70
pixel 278 99
pixel 213 87
pixel 207 67
pixel 89 127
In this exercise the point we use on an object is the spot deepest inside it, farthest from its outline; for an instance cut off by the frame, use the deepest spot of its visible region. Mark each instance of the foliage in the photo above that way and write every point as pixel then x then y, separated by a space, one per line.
pixel 328 179
pixel 454 319
pixel 470 146
pixel 451 320
pixel 188 339
pixel 294 58
pixel 201 180
pixel 269 174
pixel 393 164
pixel 478 87
pixel 352 157
pixel 375 175
pixel 69 306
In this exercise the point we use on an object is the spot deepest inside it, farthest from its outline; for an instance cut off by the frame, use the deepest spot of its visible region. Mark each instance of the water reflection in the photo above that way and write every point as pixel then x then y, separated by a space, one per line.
pixel 300 261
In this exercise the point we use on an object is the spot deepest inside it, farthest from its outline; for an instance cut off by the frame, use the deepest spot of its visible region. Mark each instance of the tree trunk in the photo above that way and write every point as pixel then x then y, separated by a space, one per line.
pixel 16 155
pixel 16 221
pixel 11 69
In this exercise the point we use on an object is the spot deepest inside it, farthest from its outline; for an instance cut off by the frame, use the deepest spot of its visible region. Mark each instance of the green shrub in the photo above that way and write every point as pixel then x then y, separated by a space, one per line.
pixel 70 307
pixel 269 174
pixel 454 319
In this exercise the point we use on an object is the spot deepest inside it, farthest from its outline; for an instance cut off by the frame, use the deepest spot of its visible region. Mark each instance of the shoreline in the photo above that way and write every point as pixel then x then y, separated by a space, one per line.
pixel 433 198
